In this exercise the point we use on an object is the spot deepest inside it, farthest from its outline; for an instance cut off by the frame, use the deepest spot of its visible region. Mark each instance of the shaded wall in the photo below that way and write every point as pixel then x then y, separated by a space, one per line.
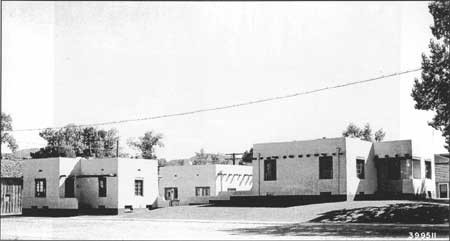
pixel 298 173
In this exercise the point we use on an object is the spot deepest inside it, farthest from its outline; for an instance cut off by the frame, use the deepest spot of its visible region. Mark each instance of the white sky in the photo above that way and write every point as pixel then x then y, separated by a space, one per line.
pixel 85 62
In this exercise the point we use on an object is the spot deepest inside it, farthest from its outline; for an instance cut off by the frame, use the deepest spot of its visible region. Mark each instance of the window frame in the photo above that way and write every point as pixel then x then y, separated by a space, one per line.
pixel 414 169
pixel 69 182
pixel 428 170
pixel 204 191
pixel 270 175
pixel 37 188
pixel 139 187
pixel 325 161
pixel 102 191
pixel 361 168
pixel 447 189
pixel 175 193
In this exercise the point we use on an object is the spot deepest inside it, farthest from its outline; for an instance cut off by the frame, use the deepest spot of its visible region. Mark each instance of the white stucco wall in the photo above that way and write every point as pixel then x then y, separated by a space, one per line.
pixel 51 170
pixel 392 148
pixel 238 177
pixel 299 176
pixel 415 151
pixel 358 149
pixel 129 171
pixel 186 178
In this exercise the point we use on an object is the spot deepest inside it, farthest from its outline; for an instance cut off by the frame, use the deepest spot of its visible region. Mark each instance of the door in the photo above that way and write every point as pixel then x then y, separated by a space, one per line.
pixel 171 194
pixel 443 190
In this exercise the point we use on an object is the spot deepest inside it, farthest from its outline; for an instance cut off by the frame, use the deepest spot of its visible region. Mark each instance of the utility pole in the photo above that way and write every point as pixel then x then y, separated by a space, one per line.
pixel 233 156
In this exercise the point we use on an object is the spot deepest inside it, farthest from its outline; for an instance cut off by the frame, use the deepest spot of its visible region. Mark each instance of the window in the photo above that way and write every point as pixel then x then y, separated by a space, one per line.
pixel 360 168
pixel 40 189
pixel 69 187
pixel 394 169
pixel 202 191
pixel 231 190
pixel 139 187
pixel 270 170
pixel 171 193
pixel 416 169
pixel 325 167
pixel 443 190
pixel 428 169
pixel 102 186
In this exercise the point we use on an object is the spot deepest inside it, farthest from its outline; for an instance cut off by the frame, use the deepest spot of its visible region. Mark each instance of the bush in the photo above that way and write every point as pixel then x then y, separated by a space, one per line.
pixel 54 151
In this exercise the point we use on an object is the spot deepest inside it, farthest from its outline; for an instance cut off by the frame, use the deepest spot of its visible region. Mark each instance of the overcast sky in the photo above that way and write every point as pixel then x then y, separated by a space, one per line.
pixel 87 62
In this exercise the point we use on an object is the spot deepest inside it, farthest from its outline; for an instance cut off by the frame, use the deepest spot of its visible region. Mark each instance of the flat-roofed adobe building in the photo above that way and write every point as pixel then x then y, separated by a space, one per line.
pixel 69 186
pixel 341 169
pixel 197 184
pixel 442 175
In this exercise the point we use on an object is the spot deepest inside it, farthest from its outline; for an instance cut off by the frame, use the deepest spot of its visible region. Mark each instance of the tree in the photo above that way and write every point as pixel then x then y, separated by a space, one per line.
pixel 162 162
pixel 200 158
pixel 379 135
pixel 83 142
pixel 147 143
pixel 6 125
pixel 364 134
pixel 247 157
pixel 432 91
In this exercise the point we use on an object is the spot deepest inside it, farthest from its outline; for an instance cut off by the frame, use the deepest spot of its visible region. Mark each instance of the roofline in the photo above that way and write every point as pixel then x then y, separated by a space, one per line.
pixel 294 141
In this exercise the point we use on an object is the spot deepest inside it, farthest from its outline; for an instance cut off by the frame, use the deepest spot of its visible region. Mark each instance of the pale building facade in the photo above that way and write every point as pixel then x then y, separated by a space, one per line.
pixel 341 167
pixel 74 185
pixel 196 184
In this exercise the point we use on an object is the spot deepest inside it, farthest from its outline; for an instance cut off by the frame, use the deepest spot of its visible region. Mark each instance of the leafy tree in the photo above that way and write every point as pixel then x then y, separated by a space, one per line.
pixel 147 143
pixel 82 142
pixel 432 91
pixel 6 125
pixel 200 158
pixel 379 135
pixel 247 157
pixel 162 162
pixel 363 133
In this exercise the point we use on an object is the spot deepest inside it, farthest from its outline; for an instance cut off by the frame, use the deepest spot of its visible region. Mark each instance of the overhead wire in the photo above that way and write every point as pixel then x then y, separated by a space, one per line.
pixel 231 105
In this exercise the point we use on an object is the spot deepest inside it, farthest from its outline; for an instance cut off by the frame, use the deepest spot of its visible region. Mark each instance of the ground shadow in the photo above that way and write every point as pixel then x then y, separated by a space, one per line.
pixel 408 213
pixel 347 230
pixel 396 220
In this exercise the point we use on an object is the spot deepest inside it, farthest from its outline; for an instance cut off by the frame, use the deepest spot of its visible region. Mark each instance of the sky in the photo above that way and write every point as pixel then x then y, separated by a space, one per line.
pixel 88 62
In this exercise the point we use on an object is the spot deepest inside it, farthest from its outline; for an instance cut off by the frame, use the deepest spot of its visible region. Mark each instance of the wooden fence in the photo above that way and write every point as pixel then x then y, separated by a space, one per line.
pixel 11 195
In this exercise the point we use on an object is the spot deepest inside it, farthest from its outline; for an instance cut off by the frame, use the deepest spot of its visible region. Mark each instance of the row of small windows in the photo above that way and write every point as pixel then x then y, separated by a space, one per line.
pixel 326 169
pixel 171 193
pixel 40 188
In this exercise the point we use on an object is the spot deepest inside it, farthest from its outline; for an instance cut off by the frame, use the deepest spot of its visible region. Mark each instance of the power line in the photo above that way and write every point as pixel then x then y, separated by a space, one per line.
pixel 230 106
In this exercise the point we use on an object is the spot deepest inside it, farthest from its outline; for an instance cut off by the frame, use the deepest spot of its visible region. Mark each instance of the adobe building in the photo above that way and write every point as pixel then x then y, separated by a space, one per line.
pixel 69 186
pixel 338 169
pixel 197 184
pixel 442 175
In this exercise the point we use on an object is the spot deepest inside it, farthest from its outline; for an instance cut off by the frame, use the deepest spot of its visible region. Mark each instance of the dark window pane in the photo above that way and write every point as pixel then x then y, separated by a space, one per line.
pixel 360 172
pixel 270 170
pixel 102 186
pixel 40 187
pixel 428 169
pixel 69 187
pixel 325 167
pixel 139 187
